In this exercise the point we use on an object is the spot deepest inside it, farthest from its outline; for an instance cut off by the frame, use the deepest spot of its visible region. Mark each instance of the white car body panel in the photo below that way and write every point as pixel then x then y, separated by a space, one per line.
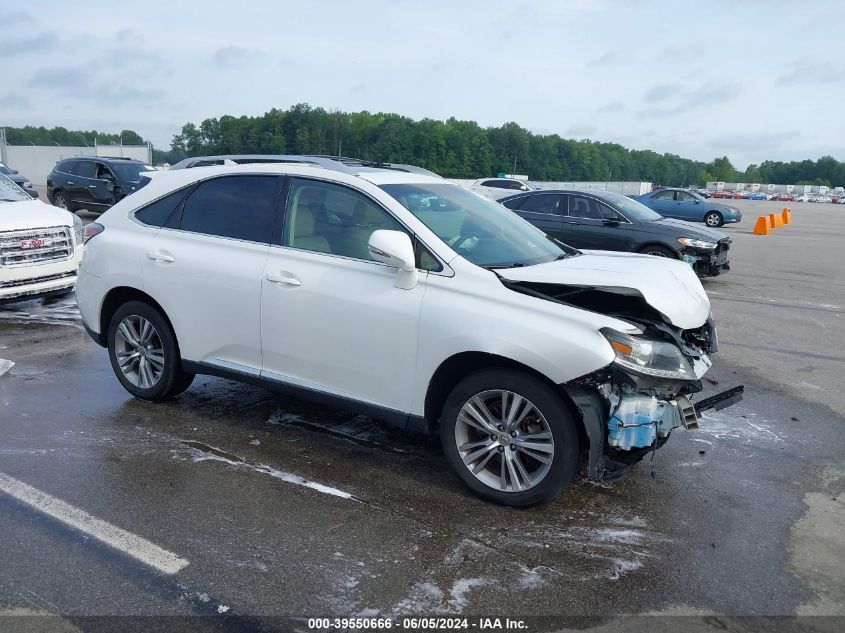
pixel 214 306
pixel 344 328
pixel 21 282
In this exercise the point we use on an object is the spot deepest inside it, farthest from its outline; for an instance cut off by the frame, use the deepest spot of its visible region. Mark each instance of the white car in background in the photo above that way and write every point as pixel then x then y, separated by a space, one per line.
pixel 821 198
pixel 40 246
pixel 392 292
pixel 498 188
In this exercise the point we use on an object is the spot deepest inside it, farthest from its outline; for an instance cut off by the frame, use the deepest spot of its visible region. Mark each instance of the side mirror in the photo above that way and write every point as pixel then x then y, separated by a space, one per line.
pixel 610 222
pixel 524 188
pixel 394 248
pixel 14 171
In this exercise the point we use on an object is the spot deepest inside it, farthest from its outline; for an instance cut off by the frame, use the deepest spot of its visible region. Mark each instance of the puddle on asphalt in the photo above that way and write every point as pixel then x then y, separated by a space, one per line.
pixel 200 452
pixel 737 423
pixel 360 430
pixel 63 311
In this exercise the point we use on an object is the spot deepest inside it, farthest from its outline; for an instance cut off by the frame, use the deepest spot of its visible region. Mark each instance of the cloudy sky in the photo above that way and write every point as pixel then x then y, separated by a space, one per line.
pixel 755 80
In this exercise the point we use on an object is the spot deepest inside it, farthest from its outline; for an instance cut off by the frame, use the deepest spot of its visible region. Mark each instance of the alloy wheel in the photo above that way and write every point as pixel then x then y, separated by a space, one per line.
pixel 59 200
pixel 504 440
pixel 139 351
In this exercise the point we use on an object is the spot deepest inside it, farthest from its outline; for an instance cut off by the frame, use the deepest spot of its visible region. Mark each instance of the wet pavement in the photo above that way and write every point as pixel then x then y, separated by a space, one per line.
pixel 282 508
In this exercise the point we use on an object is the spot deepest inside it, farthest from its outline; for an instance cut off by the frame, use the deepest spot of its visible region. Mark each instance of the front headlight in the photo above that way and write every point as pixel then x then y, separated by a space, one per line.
pixel 648 357
pixel 688 241
pixel 78 231
pixel 27 184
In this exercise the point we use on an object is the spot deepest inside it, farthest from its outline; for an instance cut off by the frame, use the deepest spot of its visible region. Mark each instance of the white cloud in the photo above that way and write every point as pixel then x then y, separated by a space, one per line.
pixel 648 75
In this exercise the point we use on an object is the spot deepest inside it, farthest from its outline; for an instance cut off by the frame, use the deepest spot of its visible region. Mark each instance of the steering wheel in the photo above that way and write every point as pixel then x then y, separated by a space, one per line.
pixel 464 242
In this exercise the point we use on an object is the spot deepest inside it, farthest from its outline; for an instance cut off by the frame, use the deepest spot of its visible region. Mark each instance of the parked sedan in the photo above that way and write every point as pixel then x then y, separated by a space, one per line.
pixel 601 220
pixel 784 197
pixel 21 181
pixel 688 205
pixel 758 195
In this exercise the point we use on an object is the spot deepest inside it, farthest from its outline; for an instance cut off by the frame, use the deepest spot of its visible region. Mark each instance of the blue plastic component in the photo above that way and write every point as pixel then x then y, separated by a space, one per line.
pixel 634 423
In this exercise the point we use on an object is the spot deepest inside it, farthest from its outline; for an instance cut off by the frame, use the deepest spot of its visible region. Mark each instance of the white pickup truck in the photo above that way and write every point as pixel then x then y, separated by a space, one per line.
pixel 40 246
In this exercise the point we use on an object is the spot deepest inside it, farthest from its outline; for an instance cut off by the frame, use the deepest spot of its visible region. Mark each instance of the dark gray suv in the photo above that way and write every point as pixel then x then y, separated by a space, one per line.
pixel 94 183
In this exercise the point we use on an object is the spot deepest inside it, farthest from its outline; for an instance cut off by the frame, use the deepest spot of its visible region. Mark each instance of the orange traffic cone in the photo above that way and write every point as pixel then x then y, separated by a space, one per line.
pixel 787 216
pixel 777 220
pixel 763 226
pixel 786 209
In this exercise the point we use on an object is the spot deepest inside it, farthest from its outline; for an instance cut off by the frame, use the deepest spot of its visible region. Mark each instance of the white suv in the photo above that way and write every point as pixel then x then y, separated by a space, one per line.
pixel 403 296
pixel 498 188
pixel 40 246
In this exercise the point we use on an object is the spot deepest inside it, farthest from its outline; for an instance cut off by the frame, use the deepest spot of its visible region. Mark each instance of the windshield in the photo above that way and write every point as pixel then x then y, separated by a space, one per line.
pixel 632 209
pixel 10 192
pixel 130 171
pixel 478 229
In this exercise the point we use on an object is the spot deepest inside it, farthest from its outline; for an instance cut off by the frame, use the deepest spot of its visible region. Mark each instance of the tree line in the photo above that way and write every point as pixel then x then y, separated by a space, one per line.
pixel 30 135
pixel 452 148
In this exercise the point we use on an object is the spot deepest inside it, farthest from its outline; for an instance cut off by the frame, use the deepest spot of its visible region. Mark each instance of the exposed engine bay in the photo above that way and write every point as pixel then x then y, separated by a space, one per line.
pixel 631 407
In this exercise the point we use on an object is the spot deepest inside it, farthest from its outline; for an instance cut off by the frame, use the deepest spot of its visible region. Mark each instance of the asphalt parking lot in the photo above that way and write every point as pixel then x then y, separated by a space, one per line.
pixel 276 508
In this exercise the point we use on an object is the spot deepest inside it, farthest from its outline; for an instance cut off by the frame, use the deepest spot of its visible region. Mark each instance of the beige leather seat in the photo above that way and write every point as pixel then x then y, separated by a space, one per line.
pixel 302 230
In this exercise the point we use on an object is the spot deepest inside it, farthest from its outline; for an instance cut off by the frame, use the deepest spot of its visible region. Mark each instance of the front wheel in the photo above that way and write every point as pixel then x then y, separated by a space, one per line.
pixel 658 251
pixel 59 199
pixel 144 354
pixel 714 219
pixel 509 437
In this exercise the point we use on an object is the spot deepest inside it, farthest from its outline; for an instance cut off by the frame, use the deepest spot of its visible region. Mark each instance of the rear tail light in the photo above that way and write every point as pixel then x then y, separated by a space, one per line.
pixel 95 228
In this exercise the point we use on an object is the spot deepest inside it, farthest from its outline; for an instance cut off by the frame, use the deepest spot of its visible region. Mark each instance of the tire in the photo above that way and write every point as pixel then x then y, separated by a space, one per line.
pixel 59 199
pixel 541 413
pixel 713 219
pixel 658 251
pixel 152 368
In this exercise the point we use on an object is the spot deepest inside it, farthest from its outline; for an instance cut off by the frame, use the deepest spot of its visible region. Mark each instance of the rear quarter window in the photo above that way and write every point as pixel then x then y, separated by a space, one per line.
pixel 156 213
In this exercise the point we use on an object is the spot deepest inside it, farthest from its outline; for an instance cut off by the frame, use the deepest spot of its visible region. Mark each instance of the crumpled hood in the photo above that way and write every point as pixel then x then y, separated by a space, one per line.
pixel 31 214
pixel 669 286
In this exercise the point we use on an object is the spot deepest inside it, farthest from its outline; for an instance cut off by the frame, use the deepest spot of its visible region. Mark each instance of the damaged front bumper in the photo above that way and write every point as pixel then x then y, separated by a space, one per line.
pixel 629 410
pixel 620 437
pixel 711 262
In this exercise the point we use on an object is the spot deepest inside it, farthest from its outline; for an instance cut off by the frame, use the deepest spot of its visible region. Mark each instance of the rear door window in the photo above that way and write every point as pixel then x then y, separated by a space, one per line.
pixel 548 203
pixel 664 195
pixel 85 169
pixel 236 207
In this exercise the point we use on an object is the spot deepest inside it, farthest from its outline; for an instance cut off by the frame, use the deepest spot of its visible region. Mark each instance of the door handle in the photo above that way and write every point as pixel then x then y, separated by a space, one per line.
pixel 161 256
pixel 70 182
pixel 92 186
pixel 283 278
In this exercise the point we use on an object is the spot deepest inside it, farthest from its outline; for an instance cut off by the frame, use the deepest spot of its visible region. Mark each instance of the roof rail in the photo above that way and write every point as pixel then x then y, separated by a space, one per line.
pixel 335 163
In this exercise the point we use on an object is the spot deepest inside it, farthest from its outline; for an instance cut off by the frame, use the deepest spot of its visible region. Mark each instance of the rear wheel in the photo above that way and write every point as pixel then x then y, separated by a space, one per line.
pixel 509 437
pixel 658 251
pixel 144 354
pixel 713 218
